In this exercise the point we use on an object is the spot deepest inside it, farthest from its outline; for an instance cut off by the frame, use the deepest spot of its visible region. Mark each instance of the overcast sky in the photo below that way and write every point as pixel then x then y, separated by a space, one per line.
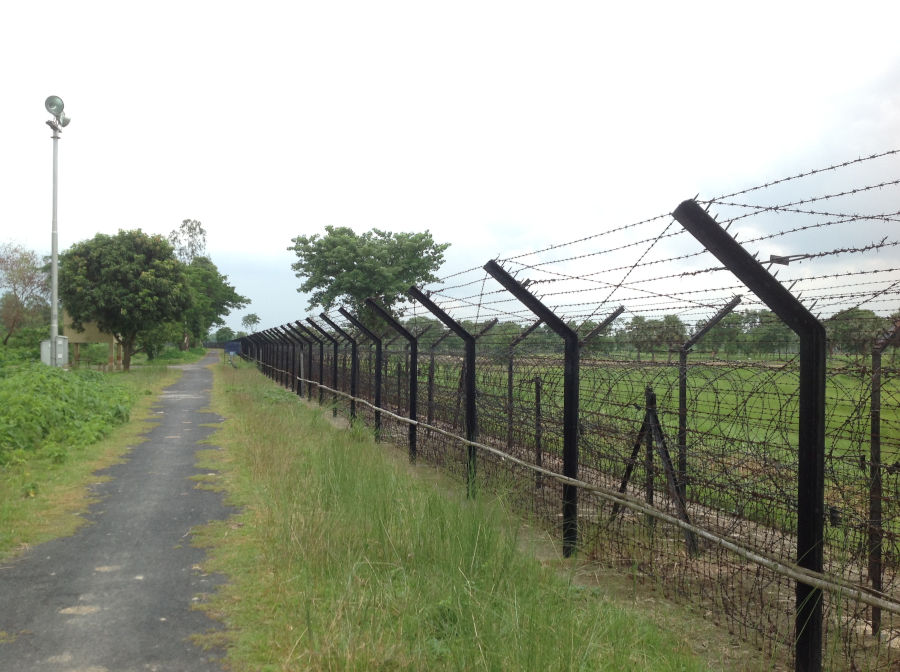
pixel 498 126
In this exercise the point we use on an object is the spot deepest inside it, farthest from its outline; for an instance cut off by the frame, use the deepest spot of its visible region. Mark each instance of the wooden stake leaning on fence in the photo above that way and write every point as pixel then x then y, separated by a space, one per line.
pixel 651 434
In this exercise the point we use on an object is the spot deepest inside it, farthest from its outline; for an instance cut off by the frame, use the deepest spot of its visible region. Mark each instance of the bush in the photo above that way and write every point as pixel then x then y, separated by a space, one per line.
pixel 50 410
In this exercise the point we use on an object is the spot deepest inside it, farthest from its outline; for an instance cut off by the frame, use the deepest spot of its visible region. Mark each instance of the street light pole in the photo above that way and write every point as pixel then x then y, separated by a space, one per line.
pixel 54 264
pixel 54 105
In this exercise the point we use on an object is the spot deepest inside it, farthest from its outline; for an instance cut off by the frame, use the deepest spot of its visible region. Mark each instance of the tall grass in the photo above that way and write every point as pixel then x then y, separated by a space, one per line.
pixel 344 557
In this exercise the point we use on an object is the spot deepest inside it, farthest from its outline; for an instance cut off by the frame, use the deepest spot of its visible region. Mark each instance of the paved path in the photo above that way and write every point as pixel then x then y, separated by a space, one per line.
pixel 117 596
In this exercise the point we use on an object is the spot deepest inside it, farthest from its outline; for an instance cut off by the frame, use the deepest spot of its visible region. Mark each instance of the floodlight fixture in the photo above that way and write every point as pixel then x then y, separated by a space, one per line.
pixel 54 105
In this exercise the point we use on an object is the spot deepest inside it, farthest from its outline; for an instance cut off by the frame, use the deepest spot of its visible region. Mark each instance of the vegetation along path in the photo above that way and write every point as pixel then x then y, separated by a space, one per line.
pixel 118 595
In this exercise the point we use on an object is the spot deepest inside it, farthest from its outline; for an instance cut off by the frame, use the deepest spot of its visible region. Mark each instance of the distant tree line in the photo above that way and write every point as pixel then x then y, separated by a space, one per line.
pixel 739 334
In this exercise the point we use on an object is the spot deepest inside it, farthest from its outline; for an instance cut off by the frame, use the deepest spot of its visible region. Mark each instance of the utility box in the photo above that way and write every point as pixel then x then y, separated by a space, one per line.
pixel 62 351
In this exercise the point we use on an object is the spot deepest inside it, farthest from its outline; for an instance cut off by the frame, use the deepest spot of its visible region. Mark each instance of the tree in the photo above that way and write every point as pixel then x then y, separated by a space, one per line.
pixel 672 333
pixel 853 331
pixel 224 334
pixel 728 335
pixel 24 302
pixel 639 334
pixel 188 240
pixel 249 321
pixel 128 284
pixel 212 299
pixel 343 267
pixel 766 333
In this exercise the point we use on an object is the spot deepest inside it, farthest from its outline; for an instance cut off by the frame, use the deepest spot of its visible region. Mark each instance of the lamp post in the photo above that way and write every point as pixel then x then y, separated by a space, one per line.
pixel 55 106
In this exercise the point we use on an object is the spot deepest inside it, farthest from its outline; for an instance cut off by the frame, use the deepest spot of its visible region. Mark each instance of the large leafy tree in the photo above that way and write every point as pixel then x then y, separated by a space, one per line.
pixel 343 267
pixel 24 301
pixel 128 283
pixel 212 298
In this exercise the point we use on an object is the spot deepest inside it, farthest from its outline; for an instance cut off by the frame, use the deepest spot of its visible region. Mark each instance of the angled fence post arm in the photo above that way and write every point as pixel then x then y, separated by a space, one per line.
pixel 486 328
pixel 570 397
pixel 608 320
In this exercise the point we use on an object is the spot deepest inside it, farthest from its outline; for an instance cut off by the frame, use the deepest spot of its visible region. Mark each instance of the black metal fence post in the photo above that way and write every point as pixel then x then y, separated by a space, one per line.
pixel 306 344
pixel 510 401
pixel 313 337
pixel 354 362
pixel 429 403
pixel 570 398
pixel 334 362
pixel 268 356
pixel 469 386
pixel 876 532
pixel 283 347
pixel 809 627
pixel 538 432
pixel 682 389
pixel 291 363
pixel 413 370
pixel 377 341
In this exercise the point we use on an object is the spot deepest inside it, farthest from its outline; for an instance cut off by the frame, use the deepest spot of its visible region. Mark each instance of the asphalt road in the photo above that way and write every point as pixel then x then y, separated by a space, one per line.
pixel 118 595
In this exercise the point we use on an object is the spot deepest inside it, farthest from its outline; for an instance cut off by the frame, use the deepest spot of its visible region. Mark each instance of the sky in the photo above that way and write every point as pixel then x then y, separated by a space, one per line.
pixel 500 127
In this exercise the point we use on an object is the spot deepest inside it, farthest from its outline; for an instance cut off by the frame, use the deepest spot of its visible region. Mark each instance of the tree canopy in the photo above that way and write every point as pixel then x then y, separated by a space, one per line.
pixel 24 301
pixel 212 297
pixel 188 240
pixel 853 331
pixel 249 321
pixel 344 267
pixel 128 283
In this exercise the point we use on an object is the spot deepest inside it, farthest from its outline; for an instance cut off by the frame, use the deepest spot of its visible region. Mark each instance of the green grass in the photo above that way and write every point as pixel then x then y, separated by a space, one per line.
pixel 44 487
pixel 344 557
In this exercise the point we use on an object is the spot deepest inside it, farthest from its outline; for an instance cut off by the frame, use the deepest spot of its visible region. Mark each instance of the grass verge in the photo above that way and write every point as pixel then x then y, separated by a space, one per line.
pixel 342 558
pixel 42 498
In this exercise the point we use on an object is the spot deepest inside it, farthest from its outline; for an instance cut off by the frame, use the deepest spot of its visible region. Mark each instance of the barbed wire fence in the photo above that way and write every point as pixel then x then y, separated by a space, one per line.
pixel 710 399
